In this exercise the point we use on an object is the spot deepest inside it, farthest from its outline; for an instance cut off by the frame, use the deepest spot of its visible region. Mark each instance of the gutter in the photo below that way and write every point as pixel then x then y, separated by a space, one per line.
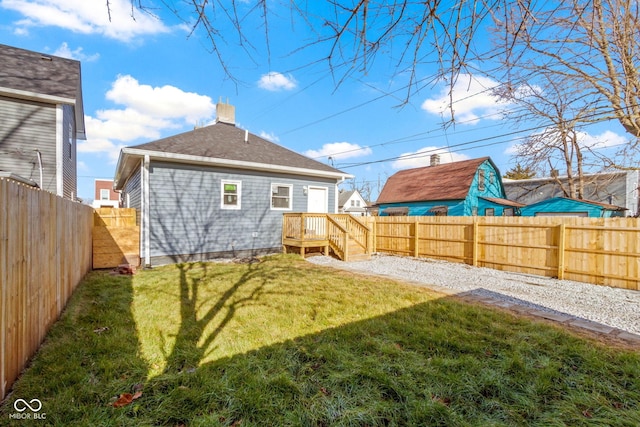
pixel 126 153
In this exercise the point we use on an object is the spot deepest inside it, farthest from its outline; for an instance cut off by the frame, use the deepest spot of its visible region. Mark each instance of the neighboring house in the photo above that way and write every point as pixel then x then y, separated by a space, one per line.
pixel 351 202
pixel 563 206
pixel 613 188
pixel 466 188
pixel 219 191
pixel 42 118
pixel 104 196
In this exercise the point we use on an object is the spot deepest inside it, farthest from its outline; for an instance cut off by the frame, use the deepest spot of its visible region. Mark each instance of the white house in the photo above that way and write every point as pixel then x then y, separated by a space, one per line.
pixel 351 202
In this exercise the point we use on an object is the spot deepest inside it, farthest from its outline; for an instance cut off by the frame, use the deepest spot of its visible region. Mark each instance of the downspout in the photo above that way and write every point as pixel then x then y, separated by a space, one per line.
pixel 40 166
pixel 145 211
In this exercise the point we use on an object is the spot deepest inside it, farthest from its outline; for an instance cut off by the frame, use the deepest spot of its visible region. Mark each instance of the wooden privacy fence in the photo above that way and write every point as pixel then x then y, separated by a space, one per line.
pixel 45 250
pixel 603 251
pixel 116 238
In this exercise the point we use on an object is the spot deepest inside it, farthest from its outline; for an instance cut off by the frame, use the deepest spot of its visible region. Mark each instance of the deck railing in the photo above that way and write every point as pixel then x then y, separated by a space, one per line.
pixel 334 230
pixel 304 226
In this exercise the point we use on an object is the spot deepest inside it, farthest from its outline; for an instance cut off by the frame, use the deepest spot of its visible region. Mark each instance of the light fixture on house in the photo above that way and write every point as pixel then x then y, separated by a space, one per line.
pixel 305 190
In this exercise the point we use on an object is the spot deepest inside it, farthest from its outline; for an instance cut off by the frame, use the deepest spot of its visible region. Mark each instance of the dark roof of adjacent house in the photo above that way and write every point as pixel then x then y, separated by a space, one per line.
pixel 224 144
pixel 36 76
pixel 449 181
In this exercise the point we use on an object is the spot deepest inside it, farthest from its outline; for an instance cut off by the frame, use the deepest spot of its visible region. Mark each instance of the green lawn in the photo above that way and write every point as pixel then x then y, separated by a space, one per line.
pixel 285 342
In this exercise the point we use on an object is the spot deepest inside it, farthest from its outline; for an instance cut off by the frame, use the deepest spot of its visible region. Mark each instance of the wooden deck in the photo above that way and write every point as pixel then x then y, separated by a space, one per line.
pixel 342 236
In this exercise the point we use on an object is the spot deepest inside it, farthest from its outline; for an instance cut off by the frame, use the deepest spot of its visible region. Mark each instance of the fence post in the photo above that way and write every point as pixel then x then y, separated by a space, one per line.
pixel 474 246
pixel 416 240
pixel 561 243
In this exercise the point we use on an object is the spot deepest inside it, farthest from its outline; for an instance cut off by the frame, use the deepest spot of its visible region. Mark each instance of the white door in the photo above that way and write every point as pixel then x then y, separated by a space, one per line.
pixel 318 200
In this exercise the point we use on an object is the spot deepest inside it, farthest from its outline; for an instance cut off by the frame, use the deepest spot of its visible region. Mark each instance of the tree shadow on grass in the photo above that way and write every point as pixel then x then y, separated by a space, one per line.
pixel 194 337
pixel 441 362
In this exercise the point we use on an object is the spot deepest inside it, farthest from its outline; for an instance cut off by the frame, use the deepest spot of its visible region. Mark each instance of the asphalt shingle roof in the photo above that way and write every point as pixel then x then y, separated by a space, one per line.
pixel 449 181
pixel 38 73
pixel 226 141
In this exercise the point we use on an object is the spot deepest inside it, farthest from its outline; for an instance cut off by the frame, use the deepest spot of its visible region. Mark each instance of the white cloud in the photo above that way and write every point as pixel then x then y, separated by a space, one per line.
pixel 422 157
pixel 472 98
pixel 148 112
pixel 269 136
pixel 274 81
pixel 603 140
pixel 339 151
pixel 21 31
pixel 100 146
pixel 160 102
pixel 82 16
pixel 65 52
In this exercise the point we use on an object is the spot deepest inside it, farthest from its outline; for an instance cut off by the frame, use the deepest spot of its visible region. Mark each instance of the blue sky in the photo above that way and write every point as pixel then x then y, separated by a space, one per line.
pixel 149 78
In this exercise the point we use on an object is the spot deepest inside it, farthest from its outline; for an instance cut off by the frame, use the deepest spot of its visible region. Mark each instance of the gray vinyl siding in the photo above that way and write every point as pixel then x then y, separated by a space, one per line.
pixel 133 192
pixel 69 154
pixel 186 218
pixel 24 127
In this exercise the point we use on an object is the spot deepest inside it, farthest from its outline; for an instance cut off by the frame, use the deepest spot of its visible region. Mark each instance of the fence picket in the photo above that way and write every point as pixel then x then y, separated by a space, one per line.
pixel 604 251
pixel 45 250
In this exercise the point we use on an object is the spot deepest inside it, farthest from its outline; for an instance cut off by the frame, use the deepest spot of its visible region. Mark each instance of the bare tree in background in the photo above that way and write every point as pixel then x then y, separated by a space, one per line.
pixel 592 42
pixel 594 45
pixel 557 108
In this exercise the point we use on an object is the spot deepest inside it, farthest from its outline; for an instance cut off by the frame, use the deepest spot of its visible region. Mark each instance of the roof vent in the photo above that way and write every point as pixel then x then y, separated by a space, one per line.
pixel 226 113
pixel 435 160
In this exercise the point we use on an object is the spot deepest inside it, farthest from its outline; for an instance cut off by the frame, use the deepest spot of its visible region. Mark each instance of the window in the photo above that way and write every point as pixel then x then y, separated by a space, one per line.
pixel 481 180
pixel 104 194
pixel 231 191
pixel 281 196
pixel 353 203
pixel 489 212
pixel 492 177
pixel 507 212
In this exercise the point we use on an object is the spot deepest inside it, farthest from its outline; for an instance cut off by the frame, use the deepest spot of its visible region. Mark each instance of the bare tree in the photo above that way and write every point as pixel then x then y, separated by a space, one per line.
pixel 559 110
pixel 594 44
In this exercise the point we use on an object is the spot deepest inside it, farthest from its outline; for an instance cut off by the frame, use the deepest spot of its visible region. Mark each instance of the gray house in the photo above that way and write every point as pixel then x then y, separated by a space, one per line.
pixel 42 118
pixel 613 188
pixel 219 191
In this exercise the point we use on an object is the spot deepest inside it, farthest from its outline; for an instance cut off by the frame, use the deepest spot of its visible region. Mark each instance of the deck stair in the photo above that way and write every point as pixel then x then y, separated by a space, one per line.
pixel 340 235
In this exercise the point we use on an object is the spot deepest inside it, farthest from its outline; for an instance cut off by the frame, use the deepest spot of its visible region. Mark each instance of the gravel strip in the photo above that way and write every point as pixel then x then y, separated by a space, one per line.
pixel 615 307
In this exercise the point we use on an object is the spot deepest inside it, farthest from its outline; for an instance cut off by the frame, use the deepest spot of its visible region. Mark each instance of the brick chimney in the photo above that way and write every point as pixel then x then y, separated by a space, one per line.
pixel 435 160
pixel 226 113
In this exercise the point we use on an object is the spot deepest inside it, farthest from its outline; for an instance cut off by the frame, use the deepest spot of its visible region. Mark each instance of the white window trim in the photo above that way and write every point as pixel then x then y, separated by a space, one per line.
pixel 103 192
pixel 230 207
pixel 290 186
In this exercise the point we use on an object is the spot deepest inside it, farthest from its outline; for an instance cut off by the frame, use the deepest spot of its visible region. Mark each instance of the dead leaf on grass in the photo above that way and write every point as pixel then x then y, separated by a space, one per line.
pixel 126 399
